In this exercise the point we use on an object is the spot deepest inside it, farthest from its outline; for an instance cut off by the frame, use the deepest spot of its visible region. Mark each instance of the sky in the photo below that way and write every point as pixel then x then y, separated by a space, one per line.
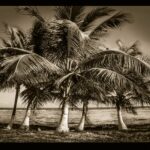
pixel 128 33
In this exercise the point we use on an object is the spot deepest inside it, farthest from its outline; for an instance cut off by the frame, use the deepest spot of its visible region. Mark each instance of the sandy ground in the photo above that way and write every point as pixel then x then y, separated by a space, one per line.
pixel 96 134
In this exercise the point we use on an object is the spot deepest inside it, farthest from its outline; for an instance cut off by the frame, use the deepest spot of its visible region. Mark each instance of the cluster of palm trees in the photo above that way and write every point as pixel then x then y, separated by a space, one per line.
pixel 61 59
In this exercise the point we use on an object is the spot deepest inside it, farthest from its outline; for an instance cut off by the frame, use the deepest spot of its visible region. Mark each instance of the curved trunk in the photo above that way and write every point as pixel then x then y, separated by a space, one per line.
pixel 63 125
pixel 82 121
pixel 26 122
pixel 9 127
pixel 121 124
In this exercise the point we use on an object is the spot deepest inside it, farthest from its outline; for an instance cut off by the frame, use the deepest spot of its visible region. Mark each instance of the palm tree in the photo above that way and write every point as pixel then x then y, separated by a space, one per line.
pixel 16 38
pixel 118 96
pixel 125 100
pixel 85 91
pixel 34 97
pixel 23 69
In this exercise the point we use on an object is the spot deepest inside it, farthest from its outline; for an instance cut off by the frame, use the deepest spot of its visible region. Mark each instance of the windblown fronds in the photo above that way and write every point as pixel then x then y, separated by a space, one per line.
pixel 68 12
pixel 85 90
pixel 144 59
pixel 16 37
pixel 55 43
pixel 113 22
pixel 4 84
pixel 28 69
pixel 117 61
pixel 36 96
pixel 87 18
pixel 126 99
pixel 30 10
pixel 109 77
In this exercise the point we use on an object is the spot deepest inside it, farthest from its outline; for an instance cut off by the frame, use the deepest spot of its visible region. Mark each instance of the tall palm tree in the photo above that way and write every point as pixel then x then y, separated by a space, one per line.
pixel 16 38
pixel 32 70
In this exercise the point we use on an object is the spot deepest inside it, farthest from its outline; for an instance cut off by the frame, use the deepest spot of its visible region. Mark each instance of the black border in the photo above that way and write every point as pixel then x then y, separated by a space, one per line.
pixel 76 2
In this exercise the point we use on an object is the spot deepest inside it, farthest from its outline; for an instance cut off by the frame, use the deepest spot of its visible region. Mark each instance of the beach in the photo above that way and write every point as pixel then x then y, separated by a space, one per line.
pixel 98 128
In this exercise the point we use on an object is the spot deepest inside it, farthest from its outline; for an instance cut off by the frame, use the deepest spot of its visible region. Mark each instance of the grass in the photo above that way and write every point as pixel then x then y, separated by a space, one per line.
pixel 95 134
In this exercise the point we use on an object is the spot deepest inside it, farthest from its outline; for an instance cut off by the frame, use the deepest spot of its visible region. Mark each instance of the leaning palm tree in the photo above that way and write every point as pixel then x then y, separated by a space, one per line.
pixel 16 38
pixel 125 100
pixel 85 91
pixel 30 65
pixel 34 97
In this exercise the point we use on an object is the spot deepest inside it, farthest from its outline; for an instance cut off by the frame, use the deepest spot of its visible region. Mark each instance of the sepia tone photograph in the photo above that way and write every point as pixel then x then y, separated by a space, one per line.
pixel 74 74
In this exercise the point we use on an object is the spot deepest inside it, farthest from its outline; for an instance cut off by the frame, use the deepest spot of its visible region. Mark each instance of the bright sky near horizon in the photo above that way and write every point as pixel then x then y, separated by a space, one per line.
pixel 129 33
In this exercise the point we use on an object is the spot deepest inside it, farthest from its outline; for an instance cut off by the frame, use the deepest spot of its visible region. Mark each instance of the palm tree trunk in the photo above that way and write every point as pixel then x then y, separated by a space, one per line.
pixel 63 125
pixel 121 124
pixel 26 121
pixel 9 127
pixel 82 121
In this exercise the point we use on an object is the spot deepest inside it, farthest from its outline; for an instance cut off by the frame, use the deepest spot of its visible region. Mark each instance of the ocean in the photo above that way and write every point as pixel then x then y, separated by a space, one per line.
pixel 96 116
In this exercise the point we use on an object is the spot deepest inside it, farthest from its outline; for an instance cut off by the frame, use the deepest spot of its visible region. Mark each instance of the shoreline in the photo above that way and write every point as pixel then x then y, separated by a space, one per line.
pixel 92 108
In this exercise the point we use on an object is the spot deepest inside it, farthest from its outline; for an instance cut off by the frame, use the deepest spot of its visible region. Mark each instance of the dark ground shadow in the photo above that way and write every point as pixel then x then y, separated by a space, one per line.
pixel 104 127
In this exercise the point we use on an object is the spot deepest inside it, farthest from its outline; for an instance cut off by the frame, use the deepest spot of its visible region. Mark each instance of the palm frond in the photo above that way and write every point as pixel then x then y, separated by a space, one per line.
pixel 117 61
pixel 129 106
pixel 124 102
pixel 5 43
pixel 17 37
pixel 134 49
pixel 63 12
pixel 114 21
pixel 52 41
pixel 28 69
pixel 12 51
pixel 144 59
pixel 96 13
pixel 85 89
pixel 62 79
pixel 121 45
pixel 36 96
pixel 68 12
pixel 30 10
pixel 4 84
pixel 113 79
